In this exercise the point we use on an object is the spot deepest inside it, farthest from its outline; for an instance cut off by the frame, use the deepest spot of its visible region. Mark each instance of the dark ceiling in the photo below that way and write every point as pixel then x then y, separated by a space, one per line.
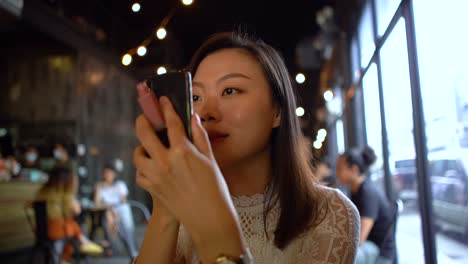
pixel 281 23
pixel 111 24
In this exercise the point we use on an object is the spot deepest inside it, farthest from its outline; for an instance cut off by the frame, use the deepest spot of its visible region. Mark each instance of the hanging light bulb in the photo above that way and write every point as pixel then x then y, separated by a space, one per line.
pixel 300 111
pixel 317 145
pixel 328 95
pixel 136 7
pixel 187 2
pixel 161 33
pixel 126 59
pixel 300 78
pixel 141 51
pixel 161 70
pixel 321 134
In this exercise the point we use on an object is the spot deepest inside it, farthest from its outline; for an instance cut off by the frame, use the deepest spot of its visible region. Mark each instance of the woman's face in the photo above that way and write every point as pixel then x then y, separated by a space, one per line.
pixel 108 175
pixel 233 99
pixel 343 171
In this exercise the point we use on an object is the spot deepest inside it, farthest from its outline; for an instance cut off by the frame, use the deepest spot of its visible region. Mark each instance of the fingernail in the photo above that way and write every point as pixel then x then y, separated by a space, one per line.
pixel 198 118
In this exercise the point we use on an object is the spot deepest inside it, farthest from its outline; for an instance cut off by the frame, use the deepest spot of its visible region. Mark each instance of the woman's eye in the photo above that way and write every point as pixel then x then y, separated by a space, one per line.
pixel 195 98
pixel 229 91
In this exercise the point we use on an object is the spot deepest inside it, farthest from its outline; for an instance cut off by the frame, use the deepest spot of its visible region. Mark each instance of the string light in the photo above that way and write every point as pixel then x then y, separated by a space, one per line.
pixel 161 70
pixel 161 33
pixel 126 59
pixel 328 95
pixel 141 51
pixel 300 111
pixel 317 145
pixel 321 134
pixel 136 7
pixel 300 78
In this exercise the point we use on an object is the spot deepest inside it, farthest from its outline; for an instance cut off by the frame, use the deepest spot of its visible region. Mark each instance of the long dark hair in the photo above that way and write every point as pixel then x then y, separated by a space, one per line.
pixel 292 183
pixel 60 180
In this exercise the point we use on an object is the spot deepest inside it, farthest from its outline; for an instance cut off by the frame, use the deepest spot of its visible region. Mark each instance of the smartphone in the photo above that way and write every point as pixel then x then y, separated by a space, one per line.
pixel 177 86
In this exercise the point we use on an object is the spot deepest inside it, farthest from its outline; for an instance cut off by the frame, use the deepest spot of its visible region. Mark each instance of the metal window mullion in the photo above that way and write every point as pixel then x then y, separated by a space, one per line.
pixel 424 185
pixel 389 190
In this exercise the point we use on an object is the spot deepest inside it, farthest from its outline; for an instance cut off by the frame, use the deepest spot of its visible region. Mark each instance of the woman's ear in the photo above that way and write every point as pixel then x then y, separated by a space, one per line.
pixel 277 118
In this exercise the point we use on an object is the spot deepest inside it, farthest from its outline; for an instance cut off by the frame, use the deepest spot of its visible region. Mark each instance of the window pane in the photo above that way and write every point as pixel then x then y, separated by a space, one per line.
pixel 340 138
pixel 399 125
pixel 442 44
pixel 366 36
pixel 370 87
pixel 355 65
pixel 385 11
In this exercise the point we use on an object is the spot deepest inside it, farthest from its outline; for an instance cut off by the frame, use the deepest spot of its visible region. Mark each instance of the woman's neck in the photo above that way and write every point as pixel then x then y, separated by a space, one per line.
pixel 249 177
pixel 107 183
pixel 356 183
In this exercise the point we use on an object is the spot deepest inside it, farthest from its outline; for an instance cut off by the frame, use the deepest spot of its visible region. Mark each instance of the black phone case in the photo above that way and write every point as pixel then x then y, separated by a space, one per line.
pixel 177 86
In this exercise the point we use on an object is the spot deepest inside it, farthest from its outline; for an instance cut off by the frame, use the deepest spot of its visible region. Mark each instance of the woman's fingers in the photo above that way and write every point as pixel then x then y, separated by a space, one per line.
pixel 148 137
pixel 200 137
pixel 140 157
pixel 142 181
pixel 175 127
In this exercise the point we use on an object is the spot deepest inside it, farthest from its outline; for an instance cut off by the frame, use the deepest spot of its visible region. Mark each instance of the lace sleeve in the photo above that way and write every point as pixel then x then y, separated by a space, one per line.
pixel 185 249
pixel 336 238
pixel 181 248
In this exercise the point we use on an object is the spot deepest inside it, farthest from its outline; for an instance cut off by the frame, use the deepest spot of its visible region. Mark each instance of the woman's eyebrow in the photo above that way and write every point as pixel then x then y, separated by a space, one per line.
pixel 225 77
pixel 199 84
pixel 232 75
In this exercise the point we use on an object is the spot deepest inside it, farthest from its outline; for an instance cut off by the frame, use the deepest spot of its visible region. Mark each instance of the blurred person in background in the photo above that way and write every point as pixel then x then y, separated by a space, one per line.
pixel 112 194
pixel 5 174
pixel 31 157
pixel 61 155
pixel 324 173
pixel 377 243
pixel 30 169
pixel 62 158
pixel 13 165
pixel 59 192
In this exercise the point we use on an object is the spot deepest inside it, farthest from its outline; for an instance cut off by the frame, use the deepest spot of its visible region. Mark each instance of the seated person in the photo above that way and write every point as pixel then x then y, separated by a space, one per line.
pixel 377 242
pixel 323 173
pixel 112 193
pixel 4 172
pixel 59 193
pixel 30 166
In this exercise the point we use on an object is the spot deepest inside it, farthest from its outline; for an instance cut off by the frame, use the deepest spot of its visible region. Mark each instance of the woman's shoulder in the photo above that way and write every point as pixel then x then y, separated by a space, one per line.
pixel 337 204
pixel 338 216
pixel 336 230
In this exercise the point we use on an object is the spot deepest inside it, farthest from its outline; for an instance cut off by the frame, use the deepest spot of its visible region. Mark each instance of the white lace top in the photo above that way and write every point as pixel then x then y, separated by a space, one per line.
pixel 334 240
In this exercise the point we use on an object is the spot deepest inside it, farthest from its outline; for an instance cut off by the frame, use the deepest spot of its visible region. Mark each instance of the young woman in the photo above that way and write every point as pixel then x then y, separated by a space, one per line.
pixel 59 193
pixel 376 240
pixel 244 187
pixel 112 194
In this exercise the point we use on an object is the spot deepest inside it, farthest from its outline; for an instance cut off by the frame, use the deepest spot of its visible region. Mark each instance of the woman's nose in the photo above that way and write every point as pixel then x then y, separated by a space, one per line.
pixel 209 110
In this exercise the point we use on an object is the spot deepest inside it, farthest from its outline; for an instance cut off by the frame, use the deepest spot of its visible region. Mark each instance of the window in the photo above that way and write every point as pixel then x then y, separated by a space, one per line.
pixel 370 87
pixel 355 65
pixel 385 11
pixel 442 58
pixel 366 36
pixel 399 126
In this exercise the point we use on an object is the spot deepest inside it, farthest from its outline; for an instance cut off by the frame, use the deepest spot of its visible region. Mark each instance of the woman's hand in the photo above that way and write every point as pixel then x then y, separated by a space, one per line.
pixel 186 180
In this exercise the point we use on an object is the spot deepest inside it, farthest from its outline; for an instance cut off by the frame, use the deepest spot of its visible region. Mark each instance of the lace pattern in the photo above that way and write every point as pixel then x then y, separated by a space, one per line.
pixel 334 240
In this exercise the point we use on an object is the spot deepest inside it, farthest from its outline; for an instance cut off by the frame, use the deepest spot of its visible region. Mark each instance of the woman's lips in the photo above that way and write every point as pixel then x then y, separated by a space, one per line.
pixel 217 140
pixel 216 136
